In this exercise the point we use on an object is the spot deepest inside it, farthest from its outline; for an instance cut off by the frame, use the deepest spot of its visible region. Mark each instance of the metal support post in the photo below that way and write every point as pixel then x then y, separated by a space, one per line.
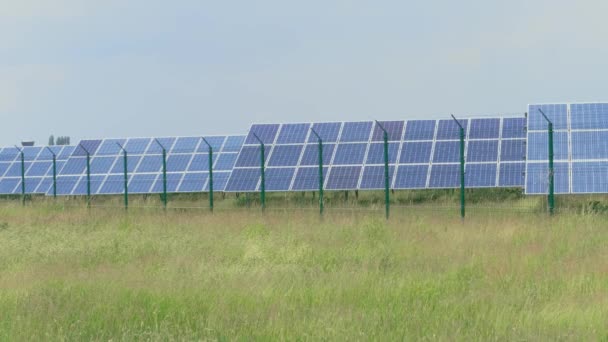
pixel 262 172
pixel 387 199
pixel 551 197
pixel 126 175
pixel 462 178
pixel 54 172
pixel 210 173
pixel 164 173
pixel 321 202
pixel 22 174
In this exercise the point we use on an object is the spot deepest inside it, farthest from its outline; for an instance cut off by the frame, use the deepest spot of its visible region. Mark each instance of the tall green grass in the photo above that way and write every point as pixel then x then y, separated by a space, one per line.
pixel 74 274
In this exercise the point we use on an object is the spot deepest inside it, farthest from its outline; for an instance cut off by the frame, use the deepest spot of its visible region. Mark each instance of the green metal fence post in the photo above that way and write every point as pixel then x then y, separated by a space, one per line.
pixel 462 161
pixel 387 199
pixel 210 173
pixel 321 202
pixel 551 197
pixel 88 176
pixel 262 172
pixel 126 176
pixel 54 172
pixel 164 173
pixel 22 174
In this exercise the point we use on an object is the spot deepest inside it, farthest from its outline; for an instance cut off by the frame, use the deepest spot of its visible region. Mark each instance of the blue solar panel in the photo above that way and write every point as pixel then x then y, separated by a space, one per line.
pixel 81 186
pixel 9 154
pixel 132 162
pixel 30 153
pixel 356 131
pixel 416 152
pixel 4 167
pixel 373 177
pixel 285 155
pixel 311 154
pixel 74 166
pixel 482 151
pixel 590 177
pixel 484 129
pixel 307 178
pixel 153 163
pixel 513 128
pixel 250 156
pixel 200 162
pixel 37 169
pixel 141 183
pixel 86 146
pixel 187 145
pixel 328 131
pixel 589 116
pixel 15 169
pixel 511 174
pixel 233 143
pixel 447 152
pixel 343 177
pixel 293 133
pixel 226 162
pixel 173 180
pixel 155 148
pixel 590 145
pixel 110 147
pixel 194 182
pixel 411 176
pixel 45 154
pixel 266 132
pixel 114 184
pixel 178 162
pixel 101 165
pixel 45 186
pixel 449 129
pixel 279 179
pixel 66 152
pixel 375 155
pixel 537 178
pixel 394 129
pixel 7 185
pixel 445 176
pixel 137 145
pixel 65 184
pixel 31 184
pixel 220 179
pixel 480 175
pixel 557 113
pixel 538 146
pixel 244 180
pixel 420 130
pixel 513 150
pixel 217 142
pixel 350 154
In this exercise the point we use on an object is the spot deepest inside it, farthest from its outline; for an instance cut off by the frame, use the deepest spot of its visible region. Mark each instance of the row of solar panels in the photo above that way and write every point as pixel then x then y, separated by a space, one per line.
pixel 422 154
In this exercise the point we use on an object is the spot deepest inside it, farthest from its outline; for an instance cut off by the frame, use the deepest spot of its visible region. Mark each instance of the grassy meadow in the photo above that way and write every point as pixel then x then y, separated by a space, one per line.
pixel 68 273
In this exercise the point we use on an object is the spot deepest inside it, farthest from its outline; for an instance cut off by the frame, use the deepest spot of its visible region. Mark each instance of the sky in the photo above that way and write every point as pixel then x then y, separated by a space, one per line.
pixel 94 69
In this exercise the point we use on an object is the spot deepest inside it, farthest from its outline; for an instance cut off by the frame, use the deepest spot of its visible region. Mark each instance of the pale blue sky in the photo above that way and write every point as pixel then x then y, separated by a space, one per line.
pixel 155 68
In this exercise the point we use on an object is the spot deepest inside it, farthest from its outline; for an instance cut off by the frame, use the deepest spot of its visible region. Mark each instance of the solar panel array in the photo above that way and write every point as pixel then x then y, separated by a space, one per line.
pixel 423 154
pixel 186 160
pixel 580 148
pixel 38 168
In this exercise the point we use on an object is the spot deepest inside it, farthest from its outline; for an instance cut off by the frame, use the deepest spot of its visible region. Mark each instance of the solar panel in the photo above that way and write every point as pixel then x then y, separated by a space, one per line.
pixel 356 131
pixel 373 177
pixel 480 175
pixel 307 178
pixel 350 154
pixel 411 177
pixel 485 128
pixel 420 130
pixel 285 155
pixel 343 177
pixel 482 151
pixel 279 179
pixel 580 148
pixel 266 132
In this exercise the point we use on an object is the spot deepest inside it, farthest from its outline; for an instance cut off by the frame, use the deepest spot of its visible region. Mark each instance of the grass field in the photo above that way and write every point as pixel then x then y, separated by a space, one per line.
pixel 100 274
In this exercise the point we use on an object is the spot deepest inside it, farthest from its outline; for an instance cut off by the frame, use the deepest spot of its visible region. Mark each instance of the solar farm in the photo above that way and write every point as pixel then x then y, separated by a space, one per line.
pixel 459 228
pixel 495 152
